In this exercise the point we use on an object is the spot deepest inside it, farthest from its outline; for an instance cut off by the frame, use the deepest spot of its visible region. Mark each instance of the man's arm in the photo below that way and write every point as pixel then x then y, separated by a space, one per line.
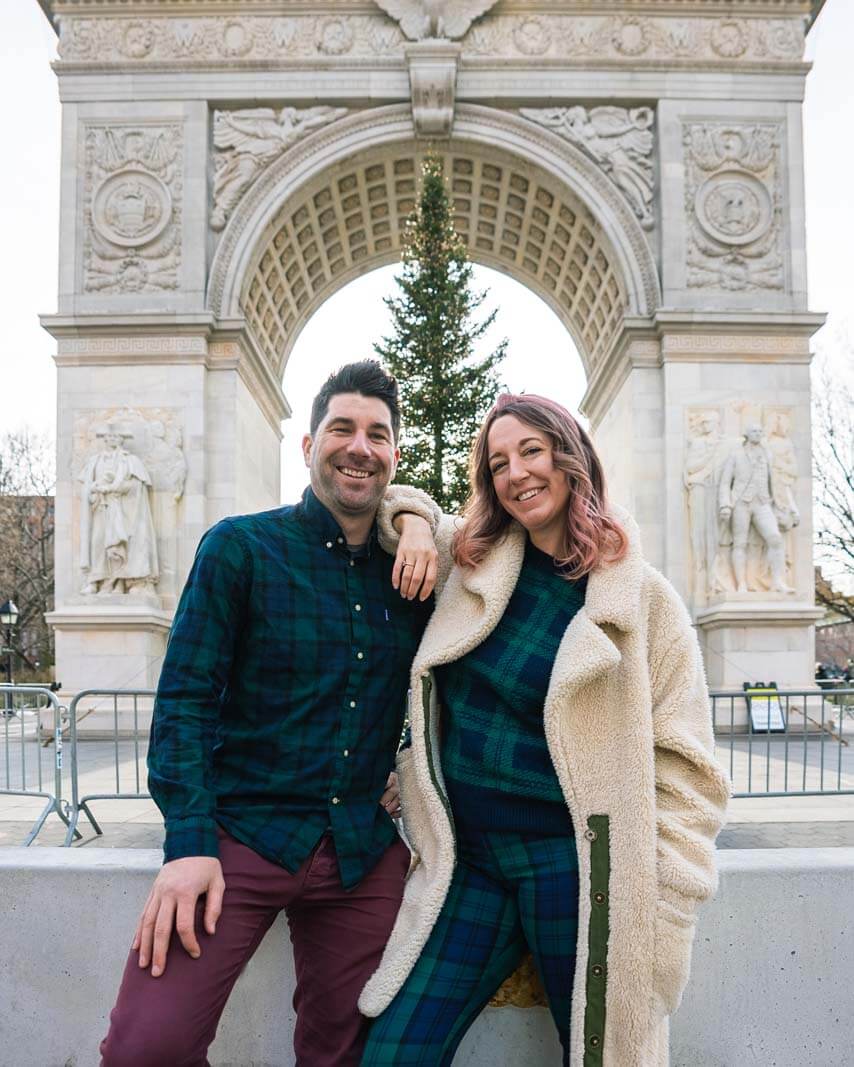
pixel 195 674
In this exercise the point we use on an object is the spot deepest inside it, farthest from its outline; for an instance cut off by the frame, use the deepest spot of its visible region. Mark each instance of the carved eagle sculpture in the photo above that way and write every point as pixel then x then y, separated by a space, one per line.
pixel 435 18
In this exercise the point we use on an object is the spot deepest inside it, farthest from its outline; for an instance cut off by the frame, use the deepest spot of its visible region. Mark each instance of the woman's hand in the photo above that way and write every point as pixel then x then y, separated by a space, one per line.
pixel 416 562
pixel 390 799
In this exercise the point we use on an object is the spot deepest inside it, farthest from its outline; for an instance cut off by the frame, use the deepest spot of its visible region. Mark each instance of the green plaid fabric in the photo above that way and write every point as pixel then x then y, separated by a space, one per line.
pixel 283 692
pixel 509 892
pixel 495 758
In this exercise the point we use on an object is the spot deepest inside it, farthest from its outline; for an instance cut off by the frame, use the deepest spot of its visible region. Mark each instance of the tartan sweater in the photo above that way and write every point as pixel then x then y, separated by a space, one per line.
pixel 495 760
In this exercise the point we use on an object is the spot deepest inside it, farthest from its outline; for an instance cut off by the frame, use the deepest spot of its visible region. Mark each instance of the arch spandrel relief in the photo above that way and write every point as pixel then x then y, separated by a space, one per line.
pixel 740 475
pixel 249 140
pixel 734 206
pixel 133 194
pixel 619 140
pixel 130 471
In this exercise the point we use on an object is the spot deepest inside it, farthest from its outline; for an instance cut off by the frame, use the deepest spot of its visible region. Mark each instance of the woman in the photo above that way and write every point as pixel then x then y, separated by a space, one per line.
pixel 570 803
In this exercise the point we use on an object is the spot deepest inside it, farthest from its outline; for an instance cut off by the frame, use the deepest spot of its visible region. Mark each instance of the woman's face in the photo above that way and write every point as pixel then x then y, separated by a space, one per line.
pixel 527 483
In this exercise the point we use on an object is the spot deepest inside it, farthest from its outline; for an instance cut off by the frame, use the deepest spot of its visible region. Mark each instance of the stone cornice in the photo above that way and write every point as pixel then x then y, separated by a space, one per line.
pixel 135 8
pixel 686 337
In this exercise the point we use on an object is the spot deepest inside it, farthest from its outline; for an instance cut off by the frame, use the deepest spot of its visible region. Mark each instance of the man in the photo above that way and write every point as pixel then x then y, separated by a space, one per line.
pixel 278 714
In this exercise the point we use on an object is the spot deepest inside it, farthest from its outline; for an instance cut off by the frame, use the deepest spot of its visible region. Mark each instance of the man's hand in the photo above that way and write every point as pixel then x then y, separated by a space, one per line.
pixel 417 560
pixel 172 901
pixel 391 797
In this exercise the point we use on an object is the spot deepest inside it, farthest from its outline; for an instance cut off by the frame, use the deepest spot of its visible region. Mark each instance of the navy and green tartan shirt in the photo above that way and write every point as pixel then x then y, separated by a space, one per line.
pixel 283 692
pixel 495 759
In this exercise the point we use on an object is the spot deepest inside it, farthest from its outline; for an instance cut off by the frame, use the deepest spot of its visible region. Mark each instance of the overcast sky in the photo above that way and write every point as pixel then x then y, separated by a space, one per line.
pixel 542 358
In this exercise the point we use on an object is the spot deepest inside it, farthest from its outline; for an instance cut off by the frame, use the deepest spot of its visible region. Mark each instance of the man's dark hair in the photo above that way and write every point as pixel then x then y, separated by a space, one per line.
pixel 366 378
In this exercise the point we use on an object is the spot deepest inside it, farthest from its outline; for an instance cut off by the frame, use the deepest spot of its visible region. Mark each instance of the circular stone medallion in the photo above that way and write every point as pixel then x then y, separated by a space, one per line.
pixel 131 208
pixel 734 207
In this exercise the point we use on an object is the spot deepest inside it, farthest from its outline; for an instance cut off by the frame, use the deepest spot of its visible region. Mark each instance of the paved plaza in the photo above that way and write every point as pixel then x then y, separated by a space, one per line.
pixel 755 822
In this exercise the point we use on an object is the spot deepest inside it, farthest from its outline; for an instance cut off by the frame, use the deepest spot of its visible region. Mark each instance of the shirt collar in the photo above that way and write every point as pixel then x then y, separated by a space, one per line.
pixel 322 523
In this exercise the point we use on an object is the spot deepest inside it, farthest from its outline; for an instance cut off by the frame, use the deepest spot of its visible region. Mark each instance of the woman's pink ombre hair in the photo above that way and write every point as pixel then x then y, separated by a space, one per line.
pixel 592 536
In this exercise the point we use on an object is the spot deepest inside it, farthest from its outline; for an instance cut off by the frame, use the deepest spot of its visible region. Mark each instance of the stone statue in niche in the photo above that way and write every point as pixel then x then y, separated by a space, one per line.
pixel 784 475
pixel 704 460
pixel 165 459
pixel 118 548
pixel 746 502
pixel 248 141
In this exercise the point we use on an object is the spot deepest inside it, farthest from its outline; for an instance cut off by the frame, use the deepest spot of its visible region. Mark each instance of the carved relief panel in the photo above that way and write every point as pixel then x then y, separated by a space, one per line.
pixel 734 206
pixel 740 475
pixel 619 139
pixel 129 473
pixel 132 205
pixel 247 141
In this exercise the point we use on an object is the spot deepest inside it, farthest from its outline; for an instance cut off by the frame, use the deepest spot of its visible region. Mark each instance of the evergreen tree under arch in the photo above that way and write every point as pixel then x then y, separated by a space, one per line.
pixel 445 389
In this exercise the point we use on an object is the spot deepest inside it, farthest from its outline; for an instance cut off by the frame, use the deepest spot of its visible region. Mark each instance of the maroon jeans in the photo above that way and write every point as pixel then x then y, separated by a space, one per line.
pixel 338 938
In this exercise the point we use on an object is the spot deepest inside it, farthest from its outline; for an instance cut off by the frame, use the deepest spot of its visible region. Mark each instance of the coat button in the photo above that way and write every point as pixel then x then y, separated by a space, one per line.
pixel 599 898
pixel 595 1041
pixel 590 835
pixel 597 970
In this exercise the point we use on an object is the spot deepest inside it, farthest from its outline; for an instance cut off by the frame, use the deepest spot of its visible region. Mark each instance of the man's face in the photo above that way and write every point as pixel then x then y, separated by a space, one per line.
pixel 352 456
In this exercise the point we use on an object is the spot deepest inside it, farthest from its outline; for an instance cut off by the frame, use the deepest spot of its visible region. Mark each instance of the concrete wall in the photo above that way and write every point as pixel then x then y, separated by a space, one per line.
pixel 771 985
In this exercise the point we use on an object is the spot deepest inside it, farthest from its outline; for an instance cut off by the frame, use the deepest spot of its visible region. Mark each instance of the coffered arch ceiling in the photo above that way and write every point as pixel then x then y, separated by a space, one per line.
pixel 514 215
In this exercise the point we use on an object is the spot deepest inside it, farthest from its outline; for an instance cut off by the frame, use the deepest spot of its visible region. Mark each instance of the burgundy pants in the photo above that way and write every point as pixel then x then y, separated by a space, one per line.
pixel 338 938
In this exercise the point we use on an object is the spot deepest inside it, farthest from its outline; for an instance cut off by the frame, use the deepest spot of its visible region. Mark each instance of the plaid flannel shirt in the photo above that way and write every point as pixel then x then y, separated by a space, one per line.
pixel 283 692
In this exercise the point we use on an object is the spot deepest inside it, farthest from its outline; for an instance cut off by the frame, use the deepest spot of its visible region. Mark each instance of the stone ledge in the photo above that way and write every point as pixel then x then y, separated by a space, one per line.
pixel 773 956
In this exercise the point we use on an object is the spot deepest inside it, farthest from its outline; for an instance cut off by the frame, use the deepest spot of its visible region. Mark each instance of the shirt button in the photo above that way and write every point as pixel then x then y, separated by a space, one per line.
pixel 352 703
pixel 352 563
pixel 358 607
pixel 329 544
pixel 335 800
pixel 360 655
pixel 346 751
pixel 340 540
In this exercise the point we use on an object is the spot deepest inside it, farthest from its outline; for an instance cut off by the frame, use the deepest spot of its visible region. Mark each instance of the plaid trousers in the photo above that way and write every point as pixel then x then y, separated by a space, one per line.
pixel 509 892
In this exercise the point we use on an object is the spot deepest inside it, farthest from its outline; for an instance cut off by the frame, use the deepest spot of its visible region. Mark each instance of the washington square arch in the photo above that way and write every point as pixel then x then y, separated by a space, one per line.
pixel 227 166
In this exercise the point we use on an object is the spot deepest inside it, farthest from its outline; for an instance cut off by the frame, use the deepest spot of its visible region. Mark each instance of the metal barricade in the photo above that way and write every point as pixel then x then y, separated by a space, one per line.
pixel 804 749
pixel 28 767
pixel 123 708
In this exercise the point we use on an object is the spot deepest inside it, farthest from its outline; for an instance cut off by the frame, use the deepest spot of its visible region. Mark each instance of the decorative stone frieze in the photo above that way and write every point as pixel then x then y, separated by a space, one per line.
pixel 208 39
pixel 133 190
pixel 621 39
pixel 248 141
pixel 634 39
pixel 619 139
pixel 733 204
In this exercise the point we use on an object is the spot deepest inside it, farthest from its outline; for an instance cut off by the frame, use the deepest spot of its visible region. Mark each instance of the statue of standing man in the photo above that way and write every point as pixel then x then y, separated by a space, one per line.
pixel 745 498
pixel 118 548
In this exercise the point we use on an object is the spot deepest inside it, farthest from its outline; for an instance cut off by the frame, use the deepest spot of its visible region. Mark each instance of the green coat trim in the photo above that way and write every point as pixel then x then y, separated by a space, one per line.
pixel 597 834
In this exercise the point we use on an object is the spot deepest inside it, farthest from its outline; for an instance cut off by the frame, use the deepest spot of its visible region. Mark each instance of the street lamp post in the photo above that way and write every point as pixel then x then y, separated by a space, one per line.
pixel 8 619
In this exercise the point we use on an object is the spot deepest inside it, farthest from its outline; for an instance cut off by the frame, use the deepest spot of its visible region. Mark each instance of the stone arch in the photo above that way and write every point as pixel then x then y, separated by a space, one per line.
pixel 527 203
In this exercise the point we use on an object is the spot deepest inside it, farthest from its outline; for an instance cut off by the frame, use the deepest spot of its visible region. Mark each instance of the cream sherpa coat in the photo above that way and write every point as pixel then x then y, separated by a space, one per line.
pixel 629 731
